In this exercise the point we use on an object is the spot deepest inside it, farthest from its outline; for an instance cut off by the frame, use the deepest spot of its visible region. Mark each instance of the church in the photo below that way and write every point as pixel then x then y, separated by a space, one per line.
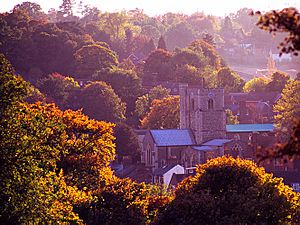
pixel 203 134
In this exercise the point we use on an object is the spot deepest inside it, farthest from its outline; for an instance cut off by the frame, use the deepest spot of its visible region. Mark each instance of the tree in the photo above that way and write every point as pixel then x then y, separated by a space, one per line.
pixel 127 143
pixel 143 103
pixel 208 38
pixel 278 81
pixel 157 66
pixel 162 44
pixel 164 114
pixel 230 118
pixel 208 51
pixel 258 84
pixel 126 84
pixel 67 7
pixel 92 58
pixel 187 56
pixel 33 10
pixel 229 80
pixel 285 20
pixel 32 190
pixel 57 88
pixel 100 102
pixel 248 195
pixel 179 35
pixel 287 107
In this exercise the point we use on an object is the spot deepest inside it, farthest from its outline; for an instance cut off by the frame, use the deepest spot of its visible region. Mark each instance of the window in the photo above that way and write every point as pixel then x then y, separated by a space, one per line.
pixel 210 104
pixel 193 104
pixel 296 187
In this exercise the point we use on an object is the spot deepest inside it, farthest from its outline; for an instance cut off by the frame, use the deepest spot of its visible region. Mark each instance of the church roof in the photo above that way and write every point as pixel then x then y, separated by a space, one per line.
pixel 250 128
pixel 172 137
pixel 217 142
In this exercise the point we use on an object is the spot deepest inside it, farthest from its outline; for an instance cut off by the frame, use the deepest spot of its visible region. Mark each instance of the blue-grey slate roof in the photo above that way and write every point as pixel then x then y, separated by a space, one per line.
pixel 172 137
pixel 216 142
pixel 204 148
pixel 250 128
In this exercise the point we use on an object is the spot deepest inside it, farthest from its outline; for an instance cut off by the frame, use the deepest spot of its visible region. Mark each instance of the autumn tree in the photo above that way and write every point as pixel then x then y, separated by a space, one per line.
pixel 278 81
pixel 143 103
pixel 200 46
pixel 285 20
pixel 92 58
pixel 258 84
pixel 32 190
pixel 229 80
pixel 164 114
pixel 287 107
pixel 248 195
pixel 230 118
pixel 99 101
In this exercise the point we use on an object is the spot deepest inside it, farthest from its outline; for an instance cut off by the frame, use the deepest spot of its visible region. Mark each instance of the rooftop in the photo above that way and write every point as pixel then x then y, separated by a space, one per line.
pixel 250 128
pixel 172 137
pixel 216 142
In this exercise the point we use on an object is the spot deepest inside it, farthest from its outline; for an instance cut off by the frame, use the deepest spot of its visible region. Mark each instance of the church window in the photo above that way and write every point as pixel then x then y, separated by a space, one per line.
pixel 193 104
pixel 210 104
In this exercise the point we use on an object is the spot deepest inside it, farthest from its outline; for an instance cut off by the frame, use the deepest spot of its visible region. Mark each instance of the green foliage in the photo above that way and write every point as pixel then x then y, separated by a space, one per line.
pixel 248 195
pixel 230 81
pixel 143 103
pixel 162 44
pixel 258 84
pixel 287 107
pixel 127 143
pixel 179 35
pixel 99 101
pixel 57 88
pixel 278 81
pixel 208 51
pixel 126 84
pixel 230 118
pixel 157 66
pixel 93 58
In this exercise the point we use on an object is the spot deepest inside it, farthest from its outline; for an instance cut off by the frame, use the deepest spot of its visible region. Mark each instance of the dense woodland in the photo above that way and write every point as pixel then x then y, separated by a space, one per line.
pixel 74 83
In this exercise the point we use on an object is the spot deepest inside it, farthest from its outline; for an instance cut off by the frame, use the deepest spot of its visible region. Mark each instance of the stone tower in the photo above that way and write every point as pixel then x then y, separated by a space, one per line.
pixel 202 111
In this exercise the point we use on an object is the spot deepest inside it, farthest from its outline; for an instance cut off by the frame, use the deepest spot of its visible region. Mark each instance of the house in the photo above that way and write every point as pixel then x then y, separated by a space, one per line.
pixel 164 174
pixel 252 107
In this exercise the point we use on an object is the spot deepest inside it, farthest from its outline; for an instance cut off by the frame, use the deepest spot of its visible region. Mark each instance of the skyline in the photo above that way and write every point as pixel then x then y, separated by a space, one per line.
pixel 207 6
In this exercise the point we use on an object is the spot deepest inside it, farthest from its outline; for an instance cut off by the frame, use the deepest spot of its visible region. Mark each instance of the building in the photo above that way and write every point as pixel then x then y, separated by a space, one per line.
pixel 203 135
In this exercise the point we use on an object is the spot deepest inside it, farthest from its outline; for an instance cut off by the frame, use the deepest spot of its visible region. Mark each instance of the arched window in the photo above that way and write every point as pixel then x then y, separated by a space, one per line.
pixel 210 104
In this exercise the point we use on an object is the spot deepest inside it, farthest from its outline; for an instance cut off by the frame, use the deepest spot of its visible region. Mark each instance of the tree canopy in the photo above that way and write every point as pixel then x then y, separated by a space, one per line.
pixel 248 195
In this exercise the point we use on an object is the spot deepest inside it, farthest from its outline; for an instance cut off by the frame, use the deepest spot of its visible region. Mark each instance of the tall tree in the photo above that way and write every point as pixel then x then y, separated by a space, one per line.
pixel 162 44
pixel 287 107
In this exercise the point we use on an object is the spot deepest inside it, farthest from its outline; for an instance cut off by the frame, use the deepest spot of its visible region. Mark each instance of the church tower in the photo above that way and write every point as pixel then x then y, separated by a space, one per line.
pixel 202 111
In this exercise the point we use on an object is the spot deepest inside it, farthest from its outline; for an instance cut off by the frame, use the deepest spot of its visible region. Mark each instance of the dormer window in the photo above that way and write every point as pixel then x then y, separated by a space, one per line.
pixel 210 104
